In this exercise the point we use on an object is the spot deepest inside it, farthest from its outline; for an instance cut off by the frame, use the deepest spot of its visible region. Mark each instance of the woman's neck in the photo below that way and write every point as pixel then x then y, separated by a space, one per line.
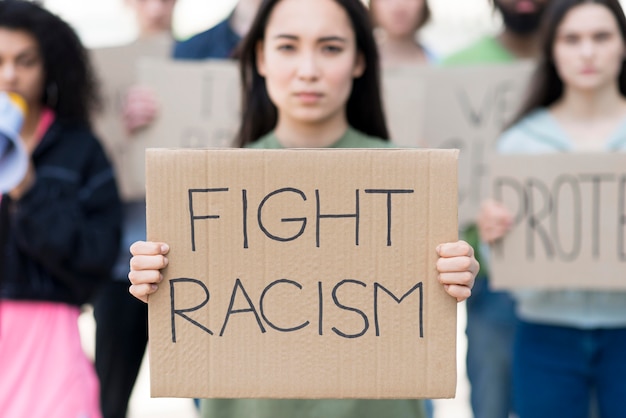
pixel 315 135
pixel 590 118
pixel 401 51
pixel 156 34
pixel 605 103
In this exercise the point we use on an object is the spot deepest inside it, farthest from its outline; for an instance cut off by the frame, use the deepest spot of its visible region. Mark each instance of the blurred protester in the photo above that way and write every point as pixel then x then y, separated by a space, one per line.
pixel 221 40
pixel 59 228
pixel 491 319
pixel 153 17
pixel 122 321
pixel 569 345
pixel 397 25
pixel 517 40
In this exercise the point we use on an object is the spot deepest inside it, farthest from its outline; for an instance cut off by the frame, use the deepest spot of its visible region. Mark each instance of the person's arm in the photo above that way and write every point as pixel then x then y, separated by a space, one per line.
pixel 494 221
pixel 69 221
pixel 140 109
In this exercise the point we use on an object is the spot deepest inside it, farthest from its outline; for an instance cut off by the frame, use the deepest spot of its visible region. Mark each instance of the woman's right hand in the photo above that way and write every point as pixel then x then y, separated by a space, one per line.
pixel 145 265
pixel 494 221
pixel 140 109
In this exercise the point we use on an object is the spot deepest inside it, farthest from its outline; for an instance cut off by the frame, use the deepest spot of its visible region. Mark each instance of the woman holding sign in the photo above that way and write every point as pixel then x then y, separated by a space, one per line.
pixel 310 70
pixel 59 228
pixel 570 343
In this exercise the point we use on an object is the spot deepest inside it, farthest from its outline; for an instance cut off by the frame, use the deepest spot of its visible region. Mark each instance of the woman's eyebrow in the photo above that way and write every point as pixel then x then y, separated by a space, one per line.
pixel 28 51
pixel 332 38
pixel 286 36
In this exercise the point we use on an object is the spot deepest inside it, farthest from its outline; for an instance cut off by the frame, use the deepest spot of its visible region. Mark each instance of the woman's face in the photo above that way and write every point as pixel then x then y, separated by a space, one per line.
pixel 153 16
pixel 309 59
pixel 21 66
pixel 398 18
pixel 588 48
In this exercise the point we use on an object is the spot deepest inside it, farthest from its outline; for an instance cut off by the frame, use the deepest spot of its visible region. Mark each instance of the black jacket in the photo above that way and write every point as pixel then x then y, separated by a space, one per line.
pixel 60 240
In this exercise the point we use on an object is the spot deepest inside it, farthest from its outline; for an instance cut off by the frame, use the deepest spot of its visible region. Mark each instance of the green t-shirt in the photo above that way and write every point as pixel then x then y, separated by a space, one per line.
pixel 351 139
pixel 315 408
pixel 485 51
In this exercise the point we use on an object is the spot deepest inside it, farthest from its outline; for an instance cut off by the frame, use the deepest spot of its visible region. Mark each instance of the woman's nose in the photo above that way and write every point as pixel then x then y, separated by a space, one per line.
pixel 307 66
pixel 8 73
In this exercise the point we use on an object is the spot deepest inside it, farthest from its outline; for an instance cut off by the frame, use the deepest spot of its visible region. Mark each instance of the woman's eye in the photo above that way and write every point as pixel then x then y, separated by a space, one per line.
pixel 27 62
pixel 602 36
pixel 333 49
pixel 570 39
pixel 286 47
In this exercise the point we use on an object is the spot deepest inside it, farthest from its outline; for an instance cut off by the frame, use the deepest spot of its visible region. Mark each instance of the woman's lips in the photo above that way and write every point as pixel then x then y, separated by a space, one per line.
pixel 308 97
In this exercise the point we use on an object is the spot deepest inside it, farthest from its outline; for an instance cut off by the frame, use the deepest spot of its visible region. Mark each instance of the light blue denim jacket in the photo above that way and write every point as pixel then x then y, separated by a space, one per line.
pixel 540 133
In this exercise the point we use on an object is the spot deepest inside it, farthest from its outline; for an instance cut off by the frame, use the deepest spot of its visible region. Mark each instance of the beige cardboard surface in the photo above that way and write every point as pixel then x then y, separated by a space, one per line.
pixel 404 90
pixel 199 106
pixel 467 108
pixel 268 295
pixel 570 226
pixel 116 70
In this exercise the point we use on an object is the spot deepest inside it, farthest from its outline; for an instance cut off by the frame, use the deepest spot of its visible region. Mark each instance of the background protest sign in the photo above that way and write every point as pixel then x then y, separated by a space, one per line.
pixel 199 107
pixel 467 108
pixel 404 90
pixel 116 70
pixel 302 273
pixel 570 221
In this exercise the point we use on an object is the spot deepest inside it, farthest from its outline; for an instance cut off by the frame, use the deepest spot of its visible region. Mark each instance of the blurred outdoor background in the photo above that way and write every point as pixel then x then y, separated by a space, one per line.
pixel 455 23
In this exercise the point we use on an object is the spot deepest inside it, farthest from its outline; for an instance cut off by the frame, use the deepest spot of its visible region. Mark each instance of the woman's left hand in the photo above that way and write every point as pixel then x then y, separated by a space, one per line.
pixel 457 268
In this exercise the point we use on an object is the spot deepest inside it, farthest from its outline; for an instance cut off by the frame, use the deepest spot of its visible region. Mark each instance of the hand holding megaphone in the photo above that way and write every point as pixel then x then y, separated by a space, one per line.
pixel 14 159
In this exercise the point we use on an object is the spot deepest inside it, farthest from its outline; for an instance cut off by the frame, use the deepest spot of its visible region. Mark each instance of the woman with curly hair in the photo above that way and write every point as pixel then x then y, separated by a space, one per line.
pixel 59 227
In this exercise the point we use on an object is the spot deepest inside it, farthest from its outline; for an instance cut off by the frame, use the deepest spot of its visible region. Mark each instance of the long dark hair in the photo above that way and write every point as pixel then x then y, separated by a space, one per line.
pixel 426 14
pixel 70 88
pixel 546 87
pixel 364 109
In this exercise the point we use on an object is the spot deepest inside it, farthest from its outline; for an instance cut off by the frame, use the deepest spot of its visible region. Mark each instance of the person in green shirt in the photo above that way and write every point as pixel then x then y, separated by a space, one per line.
pixel 517 40
pixel 310 77
pixel 491 319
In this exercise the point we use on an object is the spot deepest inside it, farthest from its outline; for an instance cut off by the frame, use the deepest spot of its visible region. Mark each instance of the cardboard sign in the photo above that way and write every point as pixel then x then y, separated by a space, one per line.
pixel 199 107
pixel 302 273
pixel 467 108
pixel 116 70
pixel 570 221
pixel 404 90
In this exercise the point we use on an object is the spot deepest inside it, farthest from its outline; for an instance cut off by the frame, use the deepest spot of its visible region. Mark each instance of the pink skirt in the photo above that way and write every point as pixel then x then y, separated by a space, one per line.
pixel 44 371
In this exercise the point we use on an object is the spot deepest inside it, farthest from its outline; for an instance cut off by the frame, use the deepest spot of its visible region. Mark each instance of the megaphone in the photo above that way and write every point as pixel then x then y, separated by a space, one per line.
pixel 13 155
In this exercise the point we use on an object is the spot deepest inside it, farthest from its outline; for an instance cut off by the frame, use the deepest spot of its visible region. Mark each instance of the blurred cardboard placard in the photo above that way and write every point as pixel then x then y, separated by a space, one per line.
pixel 116 71
pixel 302 273
pixel 467 108
pixel 404 90
pixel 570 221
pixel 199 107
